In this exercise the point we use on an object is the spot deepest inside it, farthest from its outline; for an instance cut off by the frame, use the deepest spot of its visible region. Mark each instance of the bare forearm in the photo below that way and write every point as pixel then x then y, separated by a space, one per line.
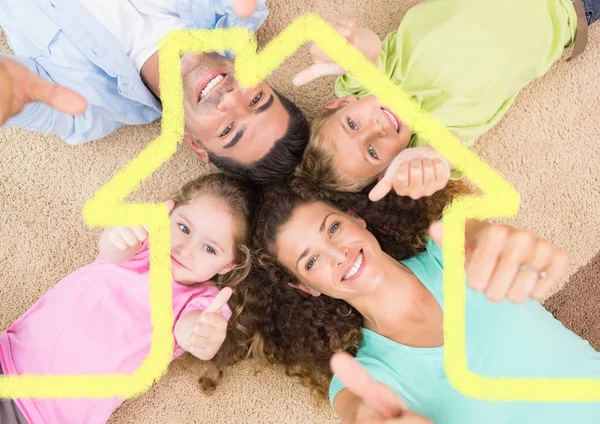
pixel 474 226
pixel 369 44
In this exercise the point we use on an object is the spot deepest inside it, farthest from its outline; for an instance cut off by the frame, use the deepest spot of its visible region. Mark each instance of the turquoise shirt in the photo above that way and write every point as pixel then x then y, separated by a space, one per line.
pixel 503 340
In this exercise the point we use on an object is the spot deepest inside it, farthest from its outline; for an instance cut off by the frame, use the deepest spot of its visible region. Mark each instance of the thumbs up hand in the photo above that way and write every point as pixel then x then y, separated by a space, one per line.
pixel 210 329
pixel 374 403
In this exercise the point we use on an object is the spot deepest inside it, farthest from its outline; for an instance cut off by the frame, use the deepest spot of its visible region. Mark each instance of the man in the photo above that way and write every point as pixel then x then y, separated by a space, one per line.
pixel 107 51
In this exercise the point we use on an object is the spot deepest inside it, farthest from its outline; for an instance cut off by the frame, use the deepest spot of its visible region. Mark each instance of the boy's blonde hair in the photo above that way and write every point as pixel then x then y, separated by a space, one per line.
pixel 236 197
pixel 318 162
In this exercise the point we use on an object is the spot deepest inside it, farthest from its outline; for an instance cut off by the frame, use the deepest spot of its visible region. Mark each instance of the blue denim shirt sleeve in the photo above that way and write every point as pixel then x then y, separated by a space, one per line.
pixel 209 14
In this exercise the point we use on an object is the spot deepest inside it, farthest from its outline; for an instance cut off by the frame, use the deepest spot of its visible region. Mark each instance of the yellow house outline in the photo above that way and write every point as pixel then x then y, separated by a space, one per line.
pixel 107 208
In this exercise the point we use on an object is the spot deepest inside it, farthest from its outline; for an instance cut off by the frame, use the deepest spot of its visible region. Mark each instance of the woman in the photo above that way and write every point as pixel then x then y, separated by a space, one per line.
pixel 462 61
pixel 334 286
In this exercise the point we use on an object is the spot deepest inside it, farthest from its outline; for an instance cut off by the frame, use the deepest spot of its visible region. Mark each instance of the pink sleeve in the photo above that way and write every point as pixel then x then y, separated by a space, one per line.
pixel 139 262
pixel 203 300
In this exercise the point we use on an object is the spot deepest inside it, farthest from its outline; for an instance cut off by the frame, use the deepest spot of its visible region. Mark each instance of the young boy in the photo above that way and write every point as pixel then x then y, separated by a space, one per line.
pixel 462 61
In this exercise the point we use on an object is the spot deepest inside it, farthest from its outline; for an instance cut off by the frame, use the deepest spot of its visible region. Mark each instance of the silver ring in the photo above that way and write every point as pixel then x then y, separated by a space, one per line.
pixel 541 273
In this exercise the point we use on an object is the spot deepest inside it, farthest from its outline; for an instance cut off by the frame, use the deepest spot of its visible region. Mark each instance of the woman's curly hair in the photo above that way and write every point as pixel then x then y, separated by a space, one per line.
pixel 301 332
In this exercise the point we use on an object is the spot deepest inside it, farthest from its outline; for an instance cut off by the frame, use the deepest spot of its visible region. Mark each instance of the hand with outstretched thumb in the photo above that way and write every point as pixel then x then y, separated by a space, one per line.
pixel 415 172
pixel 377 403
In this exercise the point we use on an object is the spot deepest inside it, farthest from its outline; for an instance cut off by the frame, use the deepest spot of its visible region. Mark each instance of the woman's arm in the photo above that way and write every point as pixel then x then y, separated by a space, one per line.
pixel 366 401
pixel 508 263
pixel 346 405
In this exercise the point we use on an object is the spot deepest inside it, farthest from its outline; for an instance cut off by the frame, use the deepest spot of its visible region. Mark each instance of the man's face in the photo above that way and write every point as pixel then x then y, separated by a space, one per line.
pixel 241 124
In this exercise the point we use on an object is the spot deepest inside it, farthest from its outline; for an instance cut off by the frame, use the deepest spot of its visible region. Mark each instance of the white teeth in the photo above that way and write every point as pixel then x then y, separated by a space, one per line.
pixel 355 267
pixel 210 86
pixel 388 113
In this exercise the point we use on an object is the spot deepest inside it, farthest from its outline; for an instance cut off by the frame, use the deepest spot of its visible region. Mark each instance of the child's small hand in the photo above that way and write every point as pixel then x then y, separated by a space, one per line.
pixel 363 39
pixel 124 238
pixel 415 172
pixel 211 328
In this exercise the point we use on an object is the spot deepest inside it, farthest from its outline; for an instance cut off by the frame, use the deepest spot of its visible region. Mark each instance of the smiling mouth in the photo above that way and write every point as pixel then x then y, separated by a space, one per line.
pixel 357 267
pixel 176 262
pixel 392 119
pixel 208 84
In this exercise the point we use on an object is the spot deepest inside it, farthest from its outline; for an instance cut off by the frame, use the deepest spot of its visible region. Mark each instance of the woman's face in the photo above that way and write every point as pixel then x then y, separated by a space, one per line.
pixel 330 252
pixel 365 135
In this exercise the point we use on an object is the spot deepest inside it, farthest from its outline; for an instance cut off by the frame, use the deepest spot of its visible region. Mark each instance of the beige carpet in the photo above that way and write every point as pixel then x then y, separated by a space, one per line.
pixel 548 147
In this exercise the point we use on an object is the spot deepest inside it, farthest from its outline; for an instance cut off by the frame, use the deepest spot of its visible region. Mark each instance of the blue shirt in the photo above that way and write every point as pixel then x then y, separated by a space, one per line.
pixel 62 42
pixel 503 340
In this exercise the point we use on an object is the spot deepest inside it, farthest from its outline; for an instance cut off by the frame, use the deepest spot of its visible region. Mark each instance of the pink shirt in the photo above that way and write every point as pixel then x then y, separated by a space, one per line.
pixel 94 321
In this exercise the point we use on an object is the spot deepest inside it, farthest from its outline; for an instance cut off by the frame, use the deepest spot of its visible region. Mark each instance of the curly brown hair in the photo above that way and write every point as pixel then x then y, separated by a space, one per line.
pixel 301 332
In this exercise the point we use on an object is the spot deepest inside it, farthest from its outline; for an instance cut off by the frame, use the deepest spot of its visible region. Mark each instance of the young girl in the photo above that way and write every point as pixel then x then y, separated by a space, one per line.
pixel 461 61
pixel 97 319
pixel 330 284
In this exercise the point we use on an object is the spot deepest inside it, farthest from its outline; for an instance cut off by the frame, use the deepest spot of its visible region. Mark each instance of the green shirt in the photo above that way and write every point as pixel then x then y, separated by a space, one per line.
pixel 503 340
pixel 464 61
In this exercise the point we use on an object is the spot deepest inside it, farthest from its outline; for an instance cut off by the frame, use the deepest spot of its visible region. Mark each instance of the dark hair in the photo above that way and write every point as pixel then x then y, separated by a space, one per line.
pixel 283 157
pixel 299 331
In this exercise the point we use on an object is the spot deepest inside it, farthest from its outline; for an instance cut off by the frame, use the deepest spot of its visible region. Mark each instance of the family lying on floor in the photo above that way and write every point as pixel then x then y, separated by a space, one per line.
pixel 319 246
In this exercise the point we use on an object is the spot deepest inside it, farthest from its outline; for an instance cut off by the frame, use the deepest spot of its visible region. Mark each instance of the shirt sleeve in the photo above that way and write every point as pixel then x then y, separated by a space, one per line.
pixel 231 20
pixel 203 299
pixel 349 84
pixel 436 251
pixel 73 129
pixel 216 14
pixel 199 302
pixel 140 262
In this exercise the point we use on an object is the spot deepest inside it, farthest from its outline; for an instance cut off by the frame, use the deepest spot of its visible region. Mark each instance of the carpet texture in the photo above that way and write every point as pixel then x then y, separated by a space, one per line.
pixel 547 147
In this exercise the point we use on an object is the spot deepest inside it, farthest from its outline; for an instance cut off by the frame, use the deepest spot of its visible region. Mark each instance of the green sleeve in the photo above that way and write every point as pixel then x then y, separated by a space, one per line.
pixel 349 84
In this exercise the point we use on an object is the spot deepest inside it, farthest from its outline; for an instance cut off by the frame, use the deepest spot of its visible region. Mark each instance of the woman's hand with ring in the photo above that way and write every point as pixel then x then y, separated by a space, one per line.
pixel 508 263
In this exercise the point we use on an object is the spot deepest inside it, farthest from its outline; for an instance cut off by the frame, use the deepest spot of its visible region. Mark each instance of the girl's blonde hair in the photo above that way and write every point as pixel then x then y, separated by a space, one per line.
pixel 318 163
pixel 236 197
